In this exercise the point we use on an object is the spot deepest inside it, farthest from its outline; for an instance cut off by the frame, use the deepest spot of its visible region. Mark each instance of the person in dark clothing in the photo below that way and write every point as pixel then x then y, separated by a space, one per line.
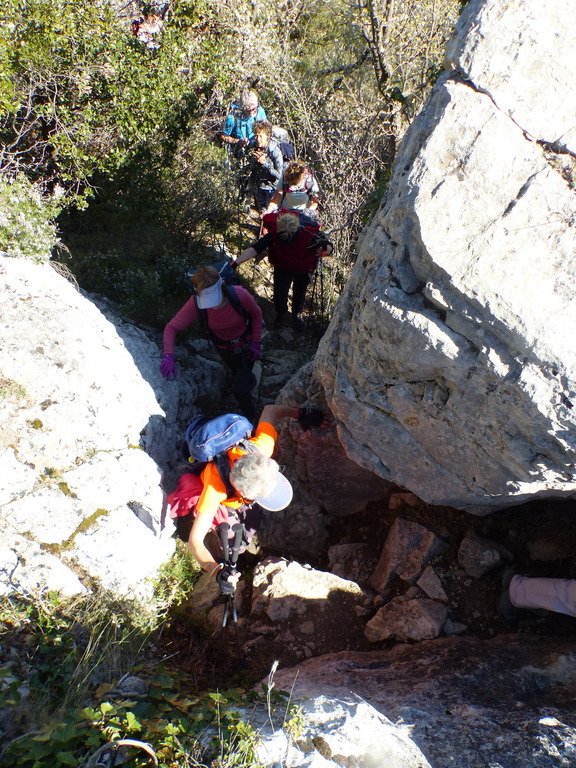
pixel 294 243
pixel 267 165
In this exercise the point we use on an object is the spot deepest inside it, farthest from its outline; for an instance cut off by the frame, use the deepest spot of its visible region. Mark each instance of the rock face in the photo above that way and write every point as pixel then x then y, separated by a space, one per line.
pixel 296 612
pixel 347 732
pixel 327 484
pixel 408 548
pixel 87 428
pixel 450 364
pixel 465 702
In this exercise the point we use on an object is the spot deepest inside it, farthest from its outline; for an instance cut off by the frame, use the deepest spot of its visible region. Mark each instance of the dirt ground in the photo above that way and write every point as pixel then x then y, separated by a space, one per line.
pixel 541 539
pixel 540 536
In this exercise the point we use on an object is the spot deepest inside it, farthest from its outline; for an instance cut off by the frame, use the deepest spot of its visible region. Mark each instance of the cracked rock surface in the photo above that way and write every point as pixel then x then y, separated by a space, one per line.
pixel 450 365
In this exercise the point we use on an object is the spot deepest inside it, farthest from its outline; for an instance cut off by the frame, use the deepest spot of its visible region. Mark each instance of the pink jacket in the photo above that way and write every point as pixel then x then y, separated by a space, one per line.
pixel 225 323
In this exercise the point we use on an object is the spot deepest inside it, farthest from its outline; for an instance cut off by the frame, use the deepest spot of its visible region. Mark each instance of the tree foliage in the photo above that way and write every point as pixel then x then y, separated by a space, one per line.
pixel 346 77
pixel 89 109
pixel 80 94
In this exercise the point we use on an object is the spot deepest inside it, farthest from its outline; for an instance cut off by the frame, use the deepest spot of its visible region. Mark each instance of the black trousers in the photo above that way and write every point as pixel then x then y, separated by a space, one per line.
pixel 282 282
pixel 262 197
pixel 243 380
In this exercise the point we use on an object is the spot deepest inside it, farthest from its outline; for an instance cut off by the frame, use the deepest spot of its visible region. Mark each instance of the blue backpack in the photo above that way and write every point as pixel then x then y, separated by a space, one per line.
pixel 208 440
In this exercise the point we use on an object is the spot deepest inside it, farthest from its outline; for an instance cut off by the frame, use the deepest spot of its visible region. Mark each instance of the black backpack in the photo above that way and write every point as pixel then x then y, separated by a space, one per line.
pixel 288 151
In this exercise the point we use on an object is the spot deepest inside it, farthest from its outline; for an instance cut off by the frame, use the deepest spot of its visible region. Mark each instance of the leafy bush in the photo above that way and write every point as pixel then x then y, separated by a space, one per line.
pixel 60 702
pixel 26 220
pixel 80 93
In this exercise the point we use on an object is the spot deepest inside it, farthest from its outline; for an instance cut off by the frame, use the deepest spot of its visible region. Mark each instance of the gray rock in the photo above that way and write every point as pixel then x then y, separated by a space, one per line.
pixel 347 732
pixel 430 583
pixel 462 390
pixel 463 701
pixel 453 627
pixel 478 555
pixel 300 612
pixel 409 546
pixel 542 51
pixel 205 593
pixel 407 620
pixel 283 589
pixel 27 569
pixel 351 561
pixel 130 685
pixel 89 434
pixel 300 530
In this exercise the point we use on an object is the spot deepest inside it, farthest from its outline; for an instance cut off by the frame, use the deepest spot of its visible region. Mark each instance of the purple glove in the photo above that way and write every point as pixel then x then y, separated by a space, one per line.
pixel 255 350
pixel 168 367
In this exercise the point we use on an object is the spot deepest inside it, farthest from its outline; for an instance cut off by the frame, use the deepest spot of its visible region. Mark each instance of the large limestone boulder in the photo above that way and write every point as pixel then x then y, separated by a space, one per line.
pixel 329 733
pixel 450 364
pixel 88 432
pixel 463 702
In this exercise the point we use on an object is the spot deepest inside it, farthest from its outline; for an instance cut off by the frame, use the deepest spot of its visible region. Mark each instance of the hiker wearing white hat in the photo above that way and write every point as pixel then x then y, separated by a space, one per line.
pixel 201 502
pixel 232 321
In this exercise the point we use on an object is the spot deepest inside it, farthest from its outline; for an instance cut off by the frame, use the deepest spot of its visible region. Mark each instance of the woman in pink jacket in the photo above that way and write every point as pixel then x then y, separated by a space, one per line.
pixel 234 323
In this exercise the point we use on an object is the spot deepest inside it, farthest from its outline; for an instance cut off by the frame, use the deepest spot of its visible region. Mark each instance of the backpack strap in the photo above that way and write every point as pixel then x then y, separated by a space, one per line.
pixel 237 306
pixel 223 465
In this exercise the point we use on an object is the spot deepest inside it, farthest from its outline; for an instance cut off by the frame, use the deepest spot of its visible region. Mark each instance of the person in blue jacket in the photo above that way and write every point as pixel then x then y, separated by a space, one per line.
pixel 238 130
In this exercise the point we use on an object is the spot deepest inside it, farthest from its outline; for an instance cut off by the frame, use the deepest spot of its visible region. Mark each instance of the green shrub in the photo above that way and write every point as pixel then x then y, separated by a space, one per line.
pixel 60 666
pixel 26 220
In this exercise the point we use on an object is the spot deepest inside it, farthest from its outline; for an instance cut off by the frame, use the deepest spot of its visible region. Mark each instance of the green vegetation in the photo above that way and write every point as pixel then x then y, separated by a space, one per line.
pixel 77 675
pixel 26 220
pixel 81 95
pixel 119 137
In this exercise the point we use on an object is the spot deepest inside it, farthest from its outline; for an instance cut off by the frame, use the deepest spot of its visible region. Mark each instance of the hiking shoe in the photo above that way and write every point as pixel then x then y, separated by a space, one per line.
pixel 507 576
pixel 507 611
pixel 280 320
pixel 298 323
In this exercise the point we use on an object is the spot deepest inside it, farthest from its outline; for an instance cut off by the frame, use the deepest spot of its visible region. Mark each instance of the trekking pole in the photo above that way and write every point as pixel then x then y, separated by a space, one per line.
pixel 312 299
pixel 321 298
pixel 230 560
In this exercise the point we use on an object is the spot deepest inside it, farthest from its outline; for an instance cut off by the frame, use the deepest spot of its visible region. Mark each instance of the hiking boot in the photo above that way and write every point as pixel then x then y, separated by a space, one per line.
pixel 298 323
pixel 280 320
pixel 507 576
pixel 507 611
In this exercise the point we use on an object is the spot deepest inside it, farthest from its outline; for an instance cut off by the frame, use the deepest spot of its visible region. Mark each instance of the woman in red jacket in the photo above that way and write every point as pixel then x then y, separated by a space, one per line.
pixel 234 324
pixel 294 243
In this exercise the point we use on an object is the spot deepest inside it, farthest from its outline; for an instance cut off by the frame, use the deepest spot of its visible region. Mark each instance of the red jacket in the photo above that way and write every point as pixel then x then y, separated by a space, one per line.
pixel 295 256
